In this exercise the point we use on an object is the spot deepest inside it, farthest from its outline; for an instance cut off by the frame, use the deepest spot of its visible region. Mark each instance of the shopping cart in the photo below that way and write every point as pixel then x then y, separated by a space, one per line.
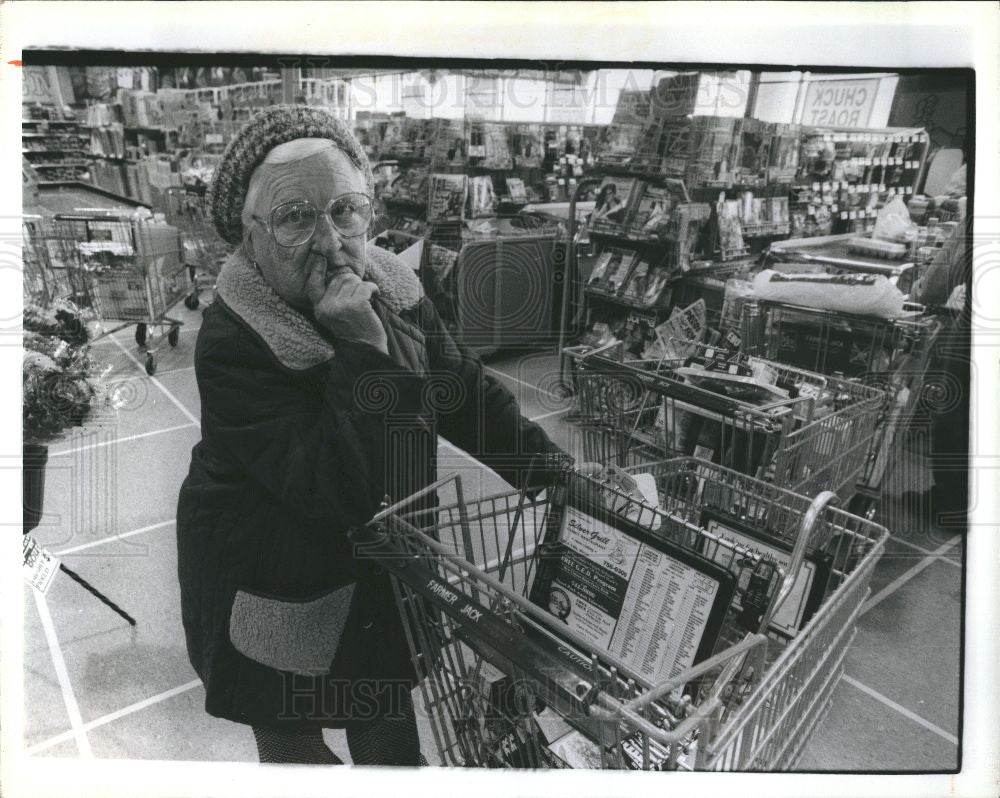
pixel 890 354
pixel 124 268
pixel 506 683
pixel 816 436
pixel 204 250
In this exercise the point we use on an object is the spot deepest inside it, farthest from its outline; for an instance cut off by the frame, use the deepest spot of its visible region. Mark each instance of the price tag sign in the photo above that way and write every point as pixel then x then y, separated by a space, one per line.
pixel 853 215
pixel 881 187
pixel 39 567
pixel 909 189
pixel 826 187
pixel 843 214
pixel 833 208
pixel 852 189
pixel 816 187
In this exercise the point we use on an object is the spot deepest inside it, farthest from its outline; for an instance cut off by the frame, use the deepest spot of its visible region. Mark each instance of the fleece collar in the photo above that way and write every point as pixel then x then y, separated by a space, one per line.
pixel 292 338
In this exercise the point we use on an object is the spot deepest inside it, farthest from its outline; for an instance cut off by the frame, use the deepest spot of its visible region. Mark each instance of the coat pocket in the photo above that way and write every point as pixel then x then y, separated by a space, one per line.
pixel 300 636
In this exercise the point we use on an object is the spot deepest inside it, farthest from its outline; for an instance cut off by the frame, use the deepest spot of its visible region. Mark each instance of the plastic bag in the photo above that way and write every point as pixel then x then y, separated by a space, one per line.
pixel 864 295
pixel 894 224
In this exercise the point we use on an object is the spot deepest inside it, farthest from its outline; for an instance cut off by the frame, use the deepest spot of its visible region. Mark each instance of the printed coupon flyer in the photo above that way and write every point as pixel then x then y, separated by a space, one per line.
pixel 628 598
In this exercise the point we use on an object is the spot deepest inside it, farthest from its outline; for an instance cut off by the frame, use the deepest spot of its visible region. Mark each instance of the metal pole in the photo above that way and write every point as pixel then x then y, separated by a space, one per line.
pixel 569 275
pixel 752 87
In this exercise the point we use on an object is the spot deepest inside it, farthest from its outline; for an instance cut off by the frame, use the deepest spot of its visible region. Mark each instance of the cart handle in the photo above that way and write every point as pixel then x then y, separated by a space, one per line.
pixel 570 271
pixel 809 520
pixel 393 509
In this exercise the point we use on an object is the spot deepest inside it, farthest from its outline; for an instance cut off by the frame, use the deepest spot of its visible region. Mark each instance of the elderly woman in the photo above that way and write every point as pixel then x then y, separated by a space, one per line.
pixel 321 368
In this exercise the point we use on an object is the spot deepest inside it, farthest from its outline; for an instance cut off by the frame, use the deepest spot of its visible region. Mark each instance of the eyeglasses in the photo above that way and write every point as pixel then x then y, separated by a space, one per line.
pixel 293 224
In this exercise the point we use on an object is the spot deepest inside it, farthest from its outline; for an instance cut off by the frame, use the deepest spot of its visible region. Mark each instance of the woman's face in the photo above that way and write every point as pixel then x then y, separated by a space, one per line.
pixel 317 178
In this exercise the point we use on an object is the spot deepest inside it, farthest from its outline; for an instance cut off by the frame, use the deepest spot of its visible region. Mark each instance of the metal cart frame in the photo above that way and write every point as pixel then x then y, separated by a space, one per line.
pixel 203 249
pixel 461 583
pixel 127 271
pixel 891 354
pixel 818 440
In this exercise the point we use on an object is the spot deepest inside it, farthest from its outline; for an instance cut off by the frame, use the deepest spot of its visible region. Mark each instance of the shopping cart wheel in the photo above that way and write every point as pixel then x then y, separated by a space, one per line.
pixel 191 301
pixel 174 334
pixel 140 334
pixel 150 364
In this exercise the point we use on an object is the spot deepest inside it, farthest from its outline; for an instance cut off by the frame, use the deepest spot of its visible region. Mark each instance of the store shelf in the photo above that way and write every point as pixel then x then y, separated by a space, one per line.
pixel 58 165
pixel 53 122
pixel 404 203
pixel 623 238
pixel 157 130
pixel 623 302
pixel 766 230
pixel 114 158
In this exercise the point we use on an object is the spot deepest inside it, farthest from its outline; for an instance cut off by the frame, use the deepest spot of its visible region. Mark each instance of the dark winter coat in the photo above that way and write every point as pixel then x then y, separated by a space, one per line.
pixel 303 438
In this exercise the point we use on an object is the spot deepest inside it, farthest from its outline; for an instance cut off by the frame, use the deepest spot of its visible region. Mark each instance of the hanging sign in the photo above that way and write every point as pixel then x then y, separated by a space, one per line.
pixel 35 87
pixel 840 103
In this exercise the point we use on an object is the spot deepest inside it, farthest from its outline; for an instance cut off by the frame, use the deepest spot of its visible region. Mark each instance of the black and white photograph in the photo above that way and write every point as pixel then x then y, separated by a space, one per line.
pixel 306 512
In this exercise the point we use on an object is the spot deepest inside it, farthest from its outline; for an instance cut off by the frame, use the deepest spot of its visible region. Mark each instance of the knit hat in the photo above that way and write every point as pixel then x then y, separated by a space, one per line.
pixel 265 131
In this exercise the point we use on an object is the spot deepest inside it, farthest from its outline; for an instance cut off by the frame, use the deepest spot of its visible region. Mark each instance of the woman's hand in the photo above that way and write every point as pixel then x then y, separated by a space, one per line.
pixel 344 307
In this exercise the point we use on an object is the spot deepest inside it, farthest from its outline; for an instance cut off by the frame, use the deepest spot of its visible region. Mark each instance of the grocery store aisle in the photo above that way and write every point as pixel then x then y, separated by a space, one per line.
pixel 97 688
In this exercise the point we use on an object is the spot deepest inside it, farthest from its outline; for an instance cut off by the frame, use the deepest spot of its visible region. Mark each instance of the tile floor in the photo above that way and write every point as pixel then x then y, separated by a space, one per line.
pixel 96 688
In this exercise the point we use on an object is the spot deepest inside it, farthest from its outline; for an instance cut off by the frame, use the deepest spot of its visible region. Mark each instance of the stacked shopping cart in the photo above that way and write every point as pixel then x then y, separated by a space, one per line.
pixel 124 268
pixel 204 251
pixel 797 429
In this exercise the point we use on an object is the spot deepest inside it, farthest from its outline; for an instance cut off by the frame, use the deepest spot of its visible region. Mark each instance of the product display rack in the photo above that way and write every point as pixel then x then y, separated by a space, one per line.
pixel 55 148
pixel 770 182
pixel 850 174
pixel 465 256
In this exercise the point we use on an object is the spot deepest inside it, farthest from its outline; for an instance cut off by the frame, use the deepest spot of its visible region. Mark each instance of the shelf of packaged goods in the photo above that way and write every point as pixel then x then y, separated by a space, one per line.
pixel 636 172
pixel 766 230
pixel 61 165
pixel 162 131
pixel 625 238
pixel 876 138
pixel 409 160
pixel 115 158
pixel 404 203
pixel 52 122
pixel 623 302
pixel 49 150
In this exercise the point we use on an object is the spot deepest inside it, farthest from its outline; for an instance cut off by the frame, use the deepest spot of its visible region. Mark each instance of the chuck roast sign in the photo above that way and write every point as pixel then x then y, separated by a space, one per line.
pixel 840 103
